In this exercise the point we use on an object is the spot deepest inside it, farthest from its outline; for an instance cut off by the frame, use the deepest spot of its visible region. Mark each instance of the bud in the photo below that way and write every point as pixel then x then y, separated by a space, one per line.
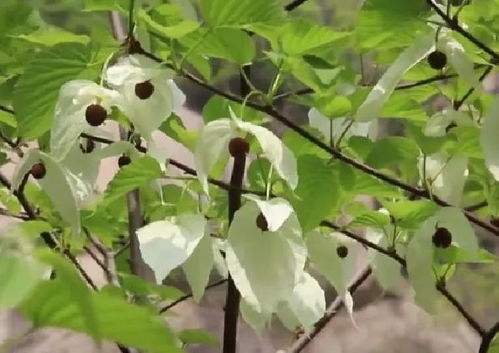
pixel 144 89
pixel 95 114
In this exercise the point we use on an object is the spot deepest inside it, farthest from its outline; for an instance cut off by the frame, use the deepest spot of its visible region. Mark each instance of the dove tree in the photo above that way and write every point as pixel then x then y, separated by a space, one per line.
pixel 273 207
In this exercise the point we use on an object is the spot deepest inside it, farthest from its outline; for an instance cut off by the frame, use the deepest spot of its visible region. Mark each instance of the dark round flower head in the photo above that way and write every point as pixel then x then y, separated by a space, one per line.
pixel 134 47
pixel 144 90
pixel 442 238
pixel 342 251
pixel 238 146
pixel 38 170
pixel 123 161
pixel 437 60
pixel 95 114
pixel 261 222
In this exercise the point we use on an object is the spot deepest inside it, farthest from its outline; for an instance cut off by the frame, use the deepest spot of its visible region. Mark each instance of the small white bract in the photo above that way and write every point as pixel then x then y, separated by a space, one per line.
pixel 69 122
pixel 146 114
pixel 214 139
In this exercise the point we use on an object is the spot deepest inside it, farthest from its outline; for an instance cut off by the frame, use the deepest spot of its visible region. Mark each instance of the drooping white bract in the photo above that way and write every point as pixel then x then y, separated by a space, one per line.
pixel 447 173
pixel 167 244
pixel 374 102
pixel 265 265
pixel 305 306
pixel 488 138
pixel 385 269
pixel 420 250
pixel 458 58
pixel 213 143
pixel 148 114
pixel 437 125
pixel 67 191
pixel 322 250
pixel 198 266
pixel 337 126
pixel 69 121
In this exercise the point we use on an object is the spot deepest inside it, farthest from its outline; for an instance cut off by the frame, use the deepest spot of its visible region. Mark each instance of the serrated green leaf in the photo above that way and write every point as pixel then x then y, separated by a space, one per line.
pixel 238 13
pixel 410 214
pixel 392 151
pixel 174 31
pixel 317 193
pixel 49 69
pixel 133 176
pixel 52 305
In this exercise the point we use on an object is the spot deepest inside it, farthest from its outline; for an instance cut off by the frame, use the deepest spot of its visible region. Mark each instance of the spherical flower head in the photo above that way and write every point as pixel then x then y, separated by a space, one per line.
pixel 148 91
pixel 222 137
pixel 82 105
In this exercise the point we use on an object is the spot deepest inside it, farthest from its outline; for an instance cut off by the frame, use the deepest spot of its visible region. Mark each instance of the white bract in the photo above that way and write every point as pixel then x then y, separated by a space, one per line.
pixel 488 138
pixel 305 306
pixel 337 126
pixel 437 125
pixel 148 114
pixel 420 251
pixel 458 58
pixel 67 191
pixel 374 102
pixel 322 249
pixel 265 265
pixel 213 143
pixel 164 245
pixel 385 269
pixel 69 121
pixel 446 173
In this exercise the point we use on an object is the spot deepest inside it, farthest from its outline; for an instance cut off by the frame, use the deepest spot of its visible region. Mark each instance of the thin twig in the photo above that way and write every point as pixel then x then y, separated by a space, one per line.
pixel 488 338
pixel 330 313
pixel 190 295
pixel 460 102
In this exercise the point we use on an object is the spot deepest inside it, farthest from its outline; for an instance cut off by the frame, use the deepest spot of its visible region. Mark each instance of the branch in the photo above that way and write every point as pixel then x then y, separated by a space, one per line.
pixel 304 91
pixel 454 25
pixel 293 5
pixel 330 313
pixel 459 103
pixel 488 338
pixel 187 296
pixel 392 254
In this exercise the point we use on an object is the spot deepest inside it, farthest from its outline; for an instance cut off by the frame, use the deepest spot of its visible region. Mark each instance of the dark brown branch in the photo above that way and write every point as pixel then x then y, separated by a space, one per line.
pixel 458 104
pixel 187 296
pixel 476 206
pixel 488 338
pixel 454 25
pixel 330 313
pixel 293 5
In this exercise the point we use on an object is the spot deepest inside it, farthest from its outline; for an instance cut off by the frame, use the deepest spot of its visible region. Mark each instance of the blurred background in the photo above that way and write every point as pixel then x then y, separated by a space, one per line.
pixel 386 322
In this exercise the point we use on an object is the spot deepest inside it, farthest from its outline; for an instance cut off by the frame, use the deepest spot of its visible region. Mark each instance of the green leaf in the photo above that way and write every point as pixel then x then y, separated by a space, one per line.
pixel 174 127
pixel 75 288
pixel 223 43
pixel 299 37
pixel 410 214
pixel 18 275
pixel 385 24
pixel 371 219
pixel 141 171
pixel 53 36
pixel 52 305
pixel 391 151
pixel 49 69
pixel 175 31
pixel 196 336
pixel 238 13
pixel 318 191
